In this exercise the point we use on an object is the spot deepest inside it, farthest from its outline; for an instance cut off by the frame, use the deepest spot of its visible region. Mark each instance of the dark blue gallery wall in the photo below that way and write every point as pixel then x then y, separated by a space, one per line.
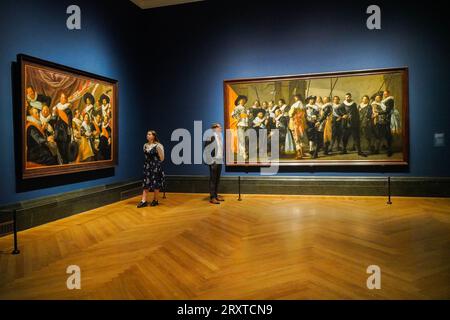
pixel 199 45
pixel 105 45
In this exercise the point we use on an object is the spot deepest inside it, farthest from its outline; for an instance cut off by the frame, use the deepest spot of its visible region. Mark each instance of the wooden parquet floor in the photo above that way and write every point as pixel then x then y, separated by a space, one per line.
pixel 264 247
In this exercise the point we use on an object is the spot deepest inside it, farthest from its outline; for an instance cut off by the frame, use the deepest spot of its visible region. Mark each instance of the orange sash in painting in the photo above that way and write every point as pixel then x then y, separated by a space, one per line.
pixel 232 96
pixel 105 133
pixel 63 116
pixel 328 129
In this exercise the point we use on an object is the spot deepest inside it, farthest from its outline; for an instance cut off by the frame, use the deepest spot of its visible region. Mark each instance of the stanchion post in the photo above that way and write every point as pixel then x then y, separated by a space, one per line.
pixel 389 191
pixel 239 188
pixel 16 249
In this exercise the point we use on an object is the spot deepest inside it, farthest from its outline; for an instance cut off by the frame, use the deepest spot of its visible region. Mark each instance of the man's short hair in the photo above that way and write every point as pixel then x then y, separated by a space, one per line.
pixel 215 125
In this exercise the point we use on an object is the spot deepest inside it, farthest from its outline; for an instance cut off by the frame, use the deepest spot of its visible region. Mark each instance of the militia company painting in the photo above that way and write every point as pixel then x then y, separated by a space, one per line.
pixel 69 119
pixel 340 118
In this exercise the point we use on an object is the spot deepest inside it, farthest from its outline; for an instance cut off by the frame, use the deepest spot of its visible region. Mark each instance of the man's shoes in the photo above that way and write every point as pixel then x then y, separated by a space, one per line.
pixel 214 201
pixel 219 198
pixel 142 204
pixel 154 203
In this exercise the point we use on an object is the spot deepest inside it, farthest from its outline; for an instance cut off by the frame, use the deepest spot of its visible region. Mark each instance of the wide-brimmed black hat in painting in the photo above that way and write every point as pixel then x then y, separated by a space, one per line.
pixel 239 98
pixel 311 97
pixel 104 97
pixel 90 96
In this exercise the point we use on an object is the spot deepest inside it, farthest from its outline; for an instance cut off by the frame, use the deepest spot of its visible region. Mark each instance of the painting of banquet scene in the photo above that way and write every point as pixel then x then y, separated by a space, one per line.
pixel 68 119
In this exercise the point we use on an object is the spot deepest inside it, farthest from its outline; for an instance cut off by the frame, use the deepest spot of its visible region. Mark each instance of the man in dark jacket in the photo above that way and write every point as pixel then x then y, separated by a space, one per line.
pixel 38 149
pixel 336 136
pixel 324 128
pixel 366 123
pixel 388 101
pixel 350 124
pixel 215 163
pixel 63 127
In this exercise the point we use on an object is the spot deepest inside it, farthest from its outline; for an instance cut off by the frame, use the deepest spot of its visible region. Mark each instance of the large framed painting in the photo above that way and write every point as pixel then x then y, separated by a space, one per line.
pixel 327 119
pixel 68 119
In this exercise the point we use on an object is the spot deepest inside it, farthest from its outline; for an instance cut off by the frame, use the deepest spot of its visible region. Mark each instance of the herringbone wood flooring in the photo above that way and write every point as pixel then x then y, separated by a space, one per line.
pixel 265 247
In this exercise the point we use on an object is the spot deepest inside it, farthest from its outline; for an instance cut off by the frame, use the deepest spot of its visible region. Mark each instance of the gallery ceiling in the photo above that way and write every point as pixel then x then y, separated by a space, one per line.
pixel 147 4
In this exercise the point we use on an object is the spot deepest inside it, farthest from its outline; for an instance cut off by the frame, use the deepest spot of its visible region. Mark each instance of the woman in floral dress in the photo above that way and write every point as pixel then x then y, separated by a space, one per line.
pixel 153 179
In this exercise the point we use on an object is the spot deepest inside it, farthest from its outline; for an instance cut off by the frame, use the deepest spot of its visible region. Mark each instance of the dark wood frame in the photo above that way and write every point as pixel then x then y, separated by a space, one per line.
pixel 333 163
pixel 27 173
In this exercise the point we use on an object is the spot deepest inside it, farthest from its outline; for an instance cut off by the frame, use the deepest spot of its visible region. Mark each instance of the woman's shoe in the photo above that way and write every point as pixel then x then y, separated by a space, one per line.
pixel 142 204
pixel 154 203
